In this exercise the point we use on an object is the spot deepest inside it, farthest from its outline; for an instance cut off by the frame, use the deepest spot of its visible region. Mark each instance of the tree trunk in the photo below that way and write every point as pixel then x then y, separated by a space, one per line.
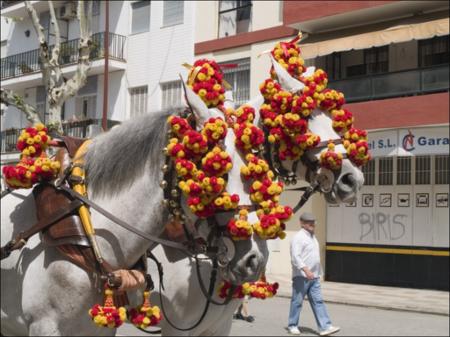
pixel 54 117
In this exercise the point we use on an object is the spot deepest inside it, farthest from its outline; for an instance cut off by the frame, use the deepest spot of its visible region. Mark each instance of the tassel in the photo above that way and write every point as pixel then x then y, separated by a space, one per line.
pixel 145 315
pixel 259 289
pixel 108 315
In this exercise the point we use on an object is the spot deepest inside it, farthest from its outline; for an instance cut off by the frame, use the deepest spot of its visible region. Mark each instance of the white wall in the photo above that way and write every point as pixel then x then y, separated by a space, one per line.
pixel 152 57
pixel 117 96
pixel 6 27
pixel 265 14
pixel 403 56
pixel 157 56
pixel 21 42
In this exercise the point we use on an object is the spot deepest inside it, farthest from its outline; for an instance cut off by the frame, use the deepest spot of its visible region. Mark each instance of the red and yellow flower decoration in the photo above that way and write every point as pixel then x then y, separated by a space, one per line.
pixel 206 80
pixel 259 289
pixel 34 165
pixel 108 315
pixel 145 315
pixel 286 115
pixel 287 54
pixel 355 142
pixel 240 229
pixel 330 159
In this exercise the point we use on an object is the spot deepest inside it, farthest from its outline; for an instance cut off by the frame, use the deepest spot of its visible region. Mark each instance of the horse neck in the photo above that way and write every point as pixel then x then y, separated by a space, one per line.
pixel 136 201
pixel 140 207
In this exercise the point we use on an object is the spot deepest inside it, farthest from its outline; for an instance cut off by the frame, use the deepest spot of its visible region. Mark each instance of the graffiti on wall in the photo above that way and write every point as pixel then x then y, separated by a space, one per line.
pixel 382 226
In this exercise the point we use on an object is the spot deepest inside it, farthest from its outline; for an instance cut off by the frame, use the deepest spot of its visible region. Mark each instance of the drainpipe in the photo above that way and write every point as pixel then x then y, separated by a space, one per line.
pixel 106 69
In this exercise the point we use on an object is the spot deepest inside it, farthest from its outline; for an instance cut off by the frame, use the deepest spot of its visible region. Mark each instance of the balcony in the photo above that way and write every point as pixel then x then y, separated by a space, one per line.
pixel 8 3
pixel 28 63
pixel 75 129
pixel 394 84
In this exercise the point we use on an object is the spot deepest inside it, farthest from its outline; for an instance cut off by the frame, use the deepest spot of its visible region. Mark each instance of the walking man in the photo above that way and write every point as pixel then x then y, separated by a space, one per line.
pixel 306 271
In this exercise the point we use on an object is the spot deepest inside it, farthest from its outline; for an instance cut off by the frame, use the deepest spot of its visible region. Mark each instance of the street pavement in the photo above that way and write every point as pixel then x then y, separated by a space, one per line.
pixel 271 320
pixel 360 310
pixel 394 298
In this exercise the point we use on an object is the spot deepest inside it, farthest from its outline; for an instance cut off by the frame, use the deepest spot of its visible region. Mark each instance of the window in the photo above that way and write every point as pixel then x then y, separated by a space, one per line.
pixel 237 74
pixel 423 167
pixel 377 60
pixel 441 169
pixel 333 66
pixel 234 17
pixel 403 170
pixel 173 13
pixel 434 51
pixel 96 8
pixel 140 21
pixel 86 106
pixel 171 94
pixel 138 101
pixel 385 171
pixel 369 173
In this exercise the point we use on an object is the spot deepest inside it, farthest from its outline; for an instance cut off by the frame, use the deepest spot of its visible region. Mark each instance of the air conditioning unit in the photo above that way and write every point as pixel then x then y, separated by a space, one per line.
pixel 68 11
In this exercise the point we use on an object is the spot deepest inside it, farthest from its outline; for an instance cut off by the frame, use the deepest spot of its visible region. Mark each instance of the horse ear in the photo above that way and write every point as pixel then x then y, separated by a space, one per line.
pixel 198 107
pixel 228 102
pixel 287 82
pixel 256 103
pixel 309 71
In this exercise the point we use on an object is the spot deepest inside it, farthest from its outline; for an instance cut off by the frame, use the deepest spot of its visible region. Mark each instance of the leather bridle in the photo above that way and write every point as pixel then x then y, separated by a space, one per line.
pixel 289 176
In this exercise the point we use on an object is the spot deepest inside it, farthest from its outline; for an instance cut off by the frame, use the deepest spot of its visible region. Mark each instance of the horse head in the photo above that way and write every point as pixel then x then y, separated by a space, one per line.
pixel 339 183
pixel 242 260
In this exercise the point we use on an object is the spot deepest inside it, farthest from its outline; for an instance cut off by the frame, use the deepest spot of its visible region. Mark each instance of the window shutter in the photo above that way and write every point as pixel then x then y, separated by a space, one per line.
pixel 138 101
pixel 173 13
pixel 141 17
pixel 171 94
pixel 239 79
pixel 90 87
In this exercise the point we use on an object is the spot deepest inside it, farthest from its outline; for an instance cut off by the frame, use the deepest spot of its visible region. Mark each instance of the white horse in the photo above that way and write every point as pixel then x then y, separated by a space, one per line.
pixel 42 293
pixel 182 298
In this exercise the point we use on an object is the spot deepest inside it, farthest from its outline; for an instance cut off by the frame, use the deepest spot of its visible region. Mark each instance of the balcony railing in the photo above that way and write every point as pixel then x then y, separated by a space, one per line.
pixel 394 84
pixel 8 3
pixel 28 62
pixel 75 129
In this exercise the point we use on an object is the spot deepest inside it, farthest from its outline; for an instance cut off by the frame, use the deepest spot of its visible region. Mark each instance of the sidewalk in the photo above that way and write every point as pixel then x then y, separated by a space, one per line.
pixel 407 299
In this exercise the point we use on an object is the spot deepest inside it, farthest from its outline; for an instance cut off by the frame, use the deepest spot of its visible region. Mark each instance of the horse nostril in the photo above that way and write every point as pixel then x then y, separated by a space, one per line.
pixel 252 262
pixel 348 182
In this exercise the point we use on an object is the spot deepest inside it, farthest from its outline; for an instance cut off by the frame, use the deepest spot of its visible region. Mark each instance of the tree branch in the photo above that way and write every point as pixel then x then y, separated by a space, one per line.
pixel 54 22
pixel 10 98
pixel 84 49
pixel 43 50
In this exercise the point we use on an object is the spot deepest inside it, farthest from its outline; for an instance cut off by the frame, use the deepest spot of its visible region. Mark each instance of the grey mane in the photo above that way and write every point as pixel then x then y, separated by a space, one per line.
pixel 116 158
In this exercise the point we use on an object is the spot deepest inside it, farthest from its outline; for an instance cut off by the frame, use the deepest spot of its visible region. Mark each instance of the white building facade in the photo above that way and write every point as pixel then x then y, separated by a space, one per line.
pixel 148 43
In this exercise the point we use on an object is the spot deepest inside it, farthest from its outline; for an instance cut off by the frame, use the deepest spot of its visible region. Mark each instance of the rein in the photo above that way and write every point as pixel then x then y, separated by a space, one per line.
pixel 214 251
pixel 122 223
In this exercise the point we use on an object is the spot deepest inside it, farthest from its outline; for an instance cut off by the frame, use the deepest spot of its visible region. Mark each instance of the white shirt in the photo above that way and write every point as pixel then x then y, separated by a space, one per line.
pixel 305 251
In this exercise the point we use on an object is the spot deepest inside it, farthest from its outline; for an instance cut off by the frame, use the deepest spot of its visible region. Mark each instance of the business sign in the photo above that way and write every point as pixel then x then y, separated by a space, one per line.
pixel 383 143
pixel 409 142
pixel 423 141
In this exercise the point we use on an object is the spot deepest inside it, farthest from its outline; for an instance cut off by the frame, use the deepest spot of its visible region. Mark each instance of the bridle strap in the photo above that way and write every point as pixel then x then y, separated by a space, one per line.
pixel 308 192
pixel 122 223
pixel 325 143
pixel 208 294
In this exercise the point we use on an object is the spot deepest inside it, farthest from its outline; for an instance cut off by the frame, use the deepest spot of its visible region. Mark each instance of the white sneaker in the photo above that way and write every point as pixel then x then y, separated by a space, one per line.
pixel 293 330
pixel 331 330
